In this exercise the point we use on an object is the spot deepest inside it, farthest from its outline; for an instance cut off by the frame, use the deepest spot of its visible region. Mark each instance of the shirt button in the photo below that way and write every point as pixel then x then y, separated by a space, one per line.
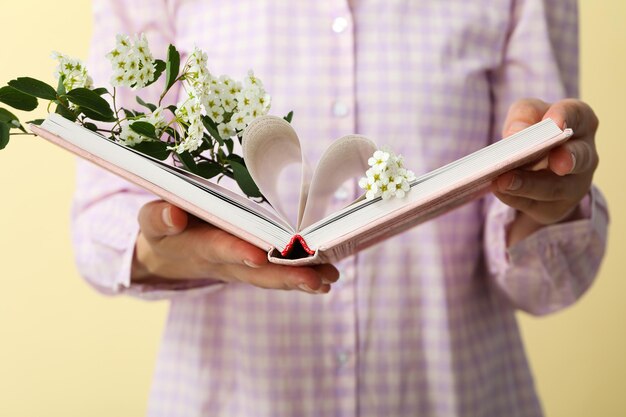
pixel 340 24
pixel 340 109
pixel 342 358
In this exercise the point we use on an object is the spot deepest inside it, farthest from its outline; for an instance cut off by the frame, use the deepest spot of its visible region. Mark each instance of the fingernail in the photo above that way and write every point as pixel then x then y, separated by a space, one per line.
pixel 308 289
pixel 251 264
pixel 573 162
pixel 326 281
pixel 515 183
pixel 166 214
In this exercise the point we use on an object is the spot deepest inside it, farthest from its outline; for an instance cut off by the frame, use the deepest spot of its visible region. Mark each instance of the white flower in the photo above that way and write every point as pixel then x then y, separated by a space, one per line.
pixel 189 114
pixel 225 130
pixel 132 62
pixel 217 114
pixel 240 120
pixel 157 119
pixel 228 101
pixel 387 176
pixel 128 136
pixel 371 187
pixel 212 103
pixel 197 76
pixel 252 80
pixel 386 191
pixel 402 187
pixel 73 72
pixel 379 160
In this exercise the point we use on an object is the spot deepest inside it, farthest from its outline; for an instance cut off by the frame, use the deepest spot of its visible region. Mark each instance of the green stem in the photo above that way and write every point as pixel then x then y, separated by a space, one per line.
pixel 180 77
pixel 114 103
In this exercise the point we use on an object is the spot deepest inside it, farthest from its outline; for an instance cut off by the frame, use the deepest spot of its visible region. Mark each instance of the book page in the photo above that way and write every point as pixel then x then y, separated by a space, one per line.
pixel 346 158
pixel 269 145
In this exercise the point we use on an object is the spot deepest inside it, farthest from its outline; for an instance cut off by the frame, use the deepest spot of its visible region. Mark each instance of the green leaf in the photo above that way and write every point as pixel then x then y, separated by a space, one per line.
pixel 36 122
pixel 7 116
pixel 172 67
pixel 155 149
pixel 4 135
pixel 150 106
pixel 17 99
pixel 211 127
pixel 172 108
pixel 209 169
pixel 188 161
pixel 34 88
pixel 60 86
pixel 289 117
pixel 229 145
pixel 159 67
pixel 100 91
pixel 96 116
pixel 145 129
pixel 63 111
pixel 90 126
pixel 11 119
pixel 244 180
pixel 87 99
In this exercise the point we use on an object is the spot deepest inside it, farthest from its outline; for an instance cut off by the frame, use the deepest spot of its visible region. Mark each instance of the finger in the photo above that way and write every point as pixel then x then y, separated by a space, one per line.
pixel 522 204
pixel 158 219
pixel 542 163
pixel 272 276
pixel 328 273
pixel 574 114
pixel 540 185
pixel 573 157
pixel 539 211
pixel 220 247
pixel 523 113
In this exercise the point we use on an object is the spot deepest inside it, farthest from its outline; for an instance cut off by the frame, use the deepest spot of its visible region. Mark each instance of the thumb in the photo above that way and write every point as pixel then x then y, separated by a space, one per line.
pixel 522 114
pixel 158 219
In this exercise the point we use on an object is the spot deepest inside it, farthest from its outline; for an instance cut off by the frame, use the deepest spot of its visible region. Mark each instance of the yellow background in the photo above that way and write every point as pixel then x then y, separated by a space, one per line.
pixel 67 351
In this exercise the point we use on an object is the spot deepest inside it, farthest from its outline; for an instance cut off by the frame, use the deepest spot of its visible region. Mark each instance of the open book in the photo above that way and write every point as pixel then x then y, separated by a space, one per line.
pixel 269 145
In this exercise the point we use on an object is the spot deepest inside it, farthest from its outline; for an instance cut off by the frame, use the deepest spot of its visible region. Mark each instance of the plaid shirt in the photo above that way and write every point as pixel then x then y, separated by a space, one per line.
pixel 422 324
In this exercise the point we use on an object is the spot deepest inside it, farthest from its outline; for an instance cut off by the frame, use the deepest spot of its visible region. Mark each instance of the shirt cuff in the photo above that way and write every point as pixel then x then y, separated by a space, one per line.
pixel 574 234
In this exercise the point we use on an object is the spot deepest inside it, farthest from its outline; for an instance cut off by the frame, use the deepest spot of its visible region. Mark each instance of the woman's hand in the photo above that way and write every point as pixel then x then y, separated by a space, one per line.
pixel 550 191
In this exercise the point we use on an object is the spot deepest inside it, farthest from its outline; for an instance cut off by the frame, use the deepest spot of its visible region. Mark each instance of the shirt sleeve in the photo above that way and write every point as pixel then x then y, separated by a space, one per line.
pixel 553 267
pixel 105 207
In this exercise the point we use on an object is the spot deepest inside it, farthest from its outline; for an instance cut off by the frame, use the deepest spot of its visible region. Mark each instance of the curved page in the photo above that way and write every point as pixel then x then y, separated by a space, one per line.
pixel 269 145
pixel 346 158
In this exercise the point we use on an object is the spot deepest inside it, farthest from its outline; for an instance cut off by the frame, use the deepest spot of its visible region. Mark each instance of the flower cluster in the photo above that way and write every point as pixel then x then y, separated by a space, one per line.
pixel 132 61
pixel 198 133
pixel 72 71
pixel 387 176
pixel 230 104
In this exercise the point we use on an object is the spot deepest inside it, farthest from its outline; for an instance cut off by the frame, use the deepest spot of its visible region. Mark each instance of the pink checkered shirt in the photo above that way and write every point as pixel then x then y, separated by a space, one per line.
pixel 421 325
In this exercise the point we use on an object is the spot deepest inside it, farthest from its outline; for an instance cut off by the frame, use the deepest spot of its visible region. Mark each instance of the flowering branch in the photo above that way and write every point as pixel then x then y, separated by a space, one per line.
pixel 198 132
